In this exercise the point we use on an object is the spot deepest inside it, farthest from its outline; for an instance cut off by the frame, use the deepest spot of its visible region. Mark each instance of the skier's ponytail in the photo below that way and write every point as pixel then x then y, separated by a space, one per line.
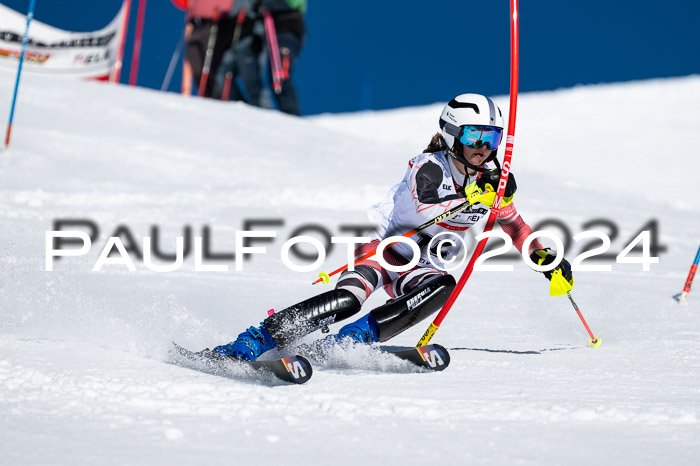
pixel 436 144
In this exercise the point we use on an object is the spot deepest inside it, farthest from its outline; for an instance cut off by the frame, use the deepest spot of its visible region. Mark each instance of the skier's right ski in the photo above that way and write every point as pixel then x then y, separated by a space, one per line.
pixel 432 357
pixel 293 369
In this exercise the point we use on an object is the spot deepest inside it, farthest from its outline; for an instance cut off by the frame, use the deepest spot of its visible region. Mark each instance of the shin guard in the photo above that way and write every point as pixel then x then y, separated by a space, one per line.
pixel 406 311
pixel 294 322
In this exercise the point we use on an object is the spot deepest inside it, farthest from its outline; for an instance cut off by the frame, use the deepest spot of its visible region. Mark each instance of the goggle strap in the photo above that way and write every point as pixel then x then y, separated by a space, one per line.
pixel 451 129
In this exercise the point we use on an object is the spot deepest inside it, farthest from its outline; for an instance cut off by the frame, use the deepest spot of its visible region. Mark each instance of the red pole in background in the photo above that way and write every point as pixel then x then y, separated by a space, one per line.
pixel 116 74
pixel 225 94
pixel 213 33
pixel 514 67
pixel 274 51
pixel 134 71
pixel 689 280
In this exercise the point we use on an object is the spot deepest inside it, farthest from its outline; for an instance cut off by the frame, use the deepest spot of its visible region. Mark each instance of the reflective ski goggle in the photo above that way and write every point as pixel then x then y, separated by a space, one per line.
pixel 477 136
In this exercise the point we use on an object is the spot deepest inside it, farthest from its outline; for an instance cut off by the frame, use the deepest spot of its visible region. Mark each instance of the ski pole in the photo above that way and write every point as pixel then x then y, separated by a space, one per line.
pixel 213 31
pixel 559 286
pixel 594 341
pixel 448 213
pixel 689 280
pixel 30 15
pixel 234 43
pixel 173 63
pixel 274 52
pixel 428 335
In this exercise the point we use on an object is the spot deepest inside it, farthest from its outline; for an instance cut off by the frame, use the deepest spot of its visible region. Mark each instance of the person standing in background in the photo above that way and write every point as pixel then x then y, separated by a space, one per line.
pixel 208 20
pixel 288 17
pixel 236 27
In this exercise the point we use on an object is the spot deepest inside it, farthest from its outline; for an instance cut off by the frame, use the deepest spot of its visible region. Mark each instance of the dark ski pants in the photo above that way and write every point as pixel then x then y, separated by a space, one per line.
pixel 229 64
pixel 248 59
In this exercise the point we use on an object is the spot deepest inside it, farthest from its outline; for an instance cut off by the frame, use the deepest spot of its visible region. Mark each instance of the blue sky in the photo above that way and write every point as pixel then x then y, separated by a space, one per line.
pixel 393 53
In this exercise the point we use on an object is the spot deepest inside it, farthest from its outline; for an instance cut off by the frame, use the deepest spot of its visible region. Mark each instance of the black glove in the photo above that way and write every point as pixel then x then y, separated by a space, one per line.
pixel 492 177
pixel 545 257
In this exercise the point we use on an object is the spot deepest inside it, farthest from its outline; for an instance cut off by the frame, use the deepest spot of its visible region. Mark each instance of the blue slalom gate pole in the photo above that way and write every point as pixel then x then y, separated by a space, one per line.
pixel 30 15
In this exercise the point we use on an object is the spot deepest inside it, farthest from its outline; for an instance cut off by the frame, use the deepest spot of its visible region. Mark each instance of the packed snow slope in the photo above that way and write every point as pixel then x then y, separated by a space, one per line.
pixel 85 372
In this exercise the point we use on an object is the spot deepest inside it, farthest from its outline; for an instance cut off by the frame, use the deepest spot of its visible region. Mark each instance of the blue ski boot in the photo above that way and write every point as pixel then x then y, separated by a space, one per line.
pixel 249 345
pixel 363 330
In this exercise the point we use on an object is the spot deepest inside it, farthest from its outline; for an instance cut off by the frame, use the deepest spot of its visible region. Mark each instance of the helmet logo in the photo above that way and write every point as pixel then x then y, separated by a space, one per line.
pixel 451 117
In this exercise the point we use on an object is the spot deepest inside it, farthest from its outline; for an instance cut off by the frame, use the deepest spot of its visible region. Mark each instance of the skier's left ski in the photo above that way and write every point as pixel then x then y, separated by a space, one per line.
pixel 292 369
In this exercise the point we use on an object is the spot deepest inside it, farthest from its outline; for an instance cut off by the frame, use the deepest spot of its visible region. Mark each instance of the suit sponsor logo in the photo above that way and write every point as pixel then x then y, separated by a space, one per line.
pixel 472 210
pixel 417 299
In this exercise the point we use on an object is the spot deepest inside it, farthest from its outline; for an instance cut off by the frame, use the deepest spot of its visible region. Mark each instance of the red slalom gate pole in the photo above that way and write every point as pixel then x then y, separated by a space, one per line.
pixel 136 54
pixel 117 71
pixel 514 63
pixel 213 32
pixel 689 280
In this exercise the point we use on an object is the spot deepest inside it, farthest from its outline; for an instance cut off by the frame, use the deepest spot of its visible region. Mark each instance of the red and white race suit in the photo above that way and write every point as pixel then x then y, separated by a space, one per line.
pixel 427 190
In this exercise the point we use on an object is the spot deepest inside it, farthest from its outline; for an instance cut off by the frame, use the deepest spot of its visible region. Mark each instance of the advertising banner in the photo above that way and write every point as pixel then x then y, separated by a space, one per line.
pixel 50 50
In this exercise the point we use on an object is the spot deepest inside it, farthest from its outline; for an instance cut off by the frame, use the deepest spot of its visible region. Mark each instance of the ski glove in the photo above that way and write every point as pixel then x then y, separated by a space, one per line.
pixel 490 178
pixel 476 194
pixel 483 190
pixel 546 256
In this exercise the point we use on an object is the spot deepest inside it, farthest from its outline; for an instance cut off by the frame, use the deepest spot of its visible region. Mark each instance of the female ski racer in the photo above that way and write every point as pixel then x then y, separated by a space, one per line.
pixel 459 165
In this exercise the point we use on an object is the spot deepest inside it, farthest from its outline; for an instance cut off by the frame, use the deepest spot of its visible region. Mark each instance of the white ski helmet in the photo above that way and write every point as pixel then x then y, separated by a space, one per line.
pixel 463 110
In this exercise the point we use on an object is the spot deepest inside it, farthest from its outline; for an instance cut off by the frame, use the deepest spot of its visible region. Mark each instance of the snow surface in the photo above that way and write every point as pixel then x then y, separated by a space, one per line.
pixel 85 373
